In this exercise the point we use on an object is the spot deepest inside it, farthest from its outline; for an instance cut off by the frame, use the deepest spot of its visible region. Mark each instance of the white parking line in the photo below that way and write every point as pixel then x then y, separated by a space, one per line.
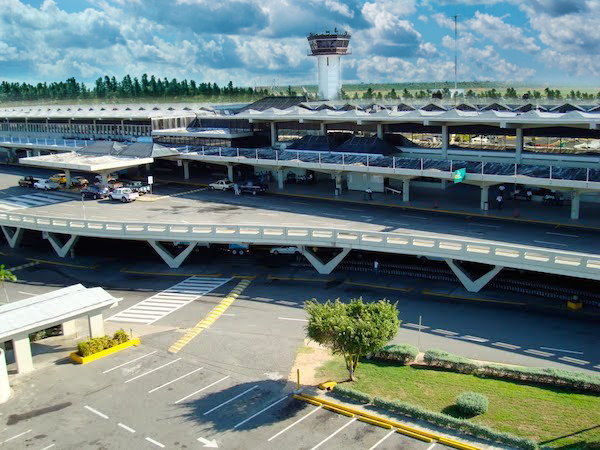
pixel 291 318
pixel 50 446
pixel 173 381
pixel 230 400
pixel 562 350
pixel 431 446
pixel 505 345
pixel 129 362
pixel 562 234
pixel 449 333
pixel 383 439
pixel 153 370
pixel 573 360
pixel 474 338
pixel 17 436
pixel 26 293
pixel 98 413
pixel 551 243
pixel 200 390
pixel 295 423
pixel 333 434
pixel 125 427
pixel 538 353
pixel 415 325
pixel 155 442
pixel 261 411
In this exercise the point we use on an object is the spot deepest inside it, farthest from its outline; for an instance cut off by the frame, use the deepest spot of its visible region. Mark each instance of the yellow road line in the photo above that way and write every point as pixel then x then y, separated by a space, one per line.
pixel 318 280
pixel 210 318
pixel 475 299
pixel 378 286
pixel 56 263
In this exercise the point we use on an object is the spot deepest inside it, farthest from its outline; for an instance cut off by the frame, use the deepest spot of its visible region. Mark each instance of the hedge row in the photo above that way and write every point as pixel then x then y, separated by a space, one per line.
pixel 95 345
pixel 461 425
pixel 344 392
pixel 404 353
pixel 472 403
pixel 556 377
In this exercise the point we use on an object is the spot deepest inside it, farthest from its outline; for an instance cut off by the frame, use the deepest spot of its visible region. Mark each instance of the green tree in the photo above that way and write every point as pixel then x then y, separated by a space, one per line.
pixel 6 275
pixel 352 329
pixel 368 94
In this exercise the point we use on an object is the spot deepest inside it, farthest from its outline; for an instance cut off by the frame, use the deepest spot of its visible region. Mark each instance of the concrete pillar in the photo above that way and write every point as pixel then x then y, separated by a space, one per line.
pixel 104 178
pixel 445 141
pixel 4 385
pixel 96 325
pixel 380 131
pixel 280 179
pixel 60 248
pixel 28 152
pixel 186 170
pixel 273 134
pixel 444 184
pixel 230 173
pixel 323 129
pixel 469 284
pixel 320 266
pixel 405 190
pixel 172 261
pixel 13 237
pixel 338 183
pixel 69 328
pixel 519 145
pixel 575 201
pixel 485 197
pixel 37 153
pixel 68 177
pixel 22 350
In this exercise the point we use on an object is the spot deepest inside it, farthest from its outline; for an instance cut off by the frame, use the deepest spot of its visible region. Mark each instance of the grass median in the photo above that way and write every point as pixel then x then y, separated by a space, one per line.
pixel 552 417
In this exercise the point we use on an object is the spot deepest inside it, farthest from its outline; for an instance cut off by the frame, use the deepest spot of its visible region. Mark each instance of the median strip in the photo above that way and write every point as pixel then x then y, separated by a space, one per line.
pixel 211 317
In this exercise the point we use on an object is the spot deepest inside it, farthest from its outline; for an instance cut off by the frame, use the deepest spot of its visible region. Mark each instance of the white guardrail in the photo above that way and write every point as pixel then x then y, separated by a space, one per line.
pixel 561 262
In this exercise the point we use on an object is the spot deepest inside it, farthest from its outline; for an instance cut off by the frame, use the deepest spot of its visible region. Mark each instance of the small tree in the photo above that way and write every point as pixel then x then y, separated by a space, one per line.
pixel 6 275
pixel 352 329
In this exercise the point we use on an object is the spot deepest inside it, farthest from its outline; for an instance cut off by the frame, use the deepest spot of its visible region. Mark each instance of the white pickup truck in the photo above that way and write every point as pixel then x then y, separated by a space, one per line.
pixel 124 195
pixel 221 185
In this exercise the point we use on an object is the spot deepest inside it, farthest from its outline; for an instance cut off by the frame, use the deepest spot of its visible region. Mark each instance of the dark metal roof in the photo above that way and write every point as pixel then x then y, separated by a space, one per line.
pixel 275 102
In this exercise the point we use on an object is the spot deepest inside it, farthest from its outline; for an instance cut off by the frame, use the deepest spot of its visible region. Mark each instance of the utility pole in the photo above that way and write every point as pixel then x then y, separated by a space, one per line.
pixel 455 53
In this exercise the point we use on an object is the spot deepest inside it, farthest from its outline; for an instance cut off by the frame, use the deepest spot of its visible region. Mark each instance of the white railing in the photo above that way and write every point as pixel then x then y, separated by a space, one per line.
pixel 582 265
pixel 46 142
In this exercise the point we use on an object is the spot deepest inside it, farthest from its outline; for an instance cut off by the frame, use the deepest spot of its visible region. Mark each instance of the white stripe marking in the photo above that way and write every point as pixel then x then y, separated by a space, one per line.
pixel 474 338
pixel 98 413
pixel 230 400
pixel 260 412
pixel 383 439
pixel 562 234
pixel 200 390
pixel 50 446
pixel 17 436
pixel 296 422
pixel 26 293
pixel 538 353
pixel 562 350
pixel 431 446
pixel 291 318
pixel 153 370
pixel 176 379
pixel 155 442
pixel 449 333
pixel 551 243
pixel 573 360
pixel 509 346
pixel 129 362
pixel 333 434
pixel 125 427
pixel 415 325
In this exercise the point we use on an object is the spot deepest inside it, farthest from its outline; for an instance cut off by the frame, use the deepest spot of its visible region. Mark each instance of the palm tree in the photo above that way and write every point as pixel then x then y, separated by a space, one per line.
pixel 6 275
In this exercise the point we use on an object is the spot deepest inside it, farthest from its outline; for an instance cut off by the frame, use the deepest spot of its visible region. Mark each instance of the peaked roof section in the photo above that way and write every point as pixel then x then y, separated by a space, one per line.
pixel 316 143
pixel 565 108
pixel 366 145
pixel 136 150
pixel 274 102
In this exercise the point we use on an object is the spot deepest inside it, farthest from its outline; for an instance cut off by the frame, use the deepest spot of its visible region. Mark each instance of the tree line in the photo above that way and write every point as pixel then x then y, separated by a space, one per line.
pixel 110 88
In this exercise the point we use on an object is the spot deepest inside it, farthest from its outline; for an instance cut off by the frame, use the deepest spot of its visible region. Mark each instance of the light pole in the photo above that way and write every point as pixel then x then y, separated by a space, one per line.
pixel 83 205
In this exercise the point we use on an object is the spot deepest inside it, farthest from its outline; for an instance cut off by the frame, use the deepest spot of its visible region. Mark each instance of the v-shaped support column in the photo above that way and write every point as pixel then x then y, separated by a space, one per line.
pixel 465 279
pixel 13 235
pixel 324 268
pixel 61 249
pixel 172 261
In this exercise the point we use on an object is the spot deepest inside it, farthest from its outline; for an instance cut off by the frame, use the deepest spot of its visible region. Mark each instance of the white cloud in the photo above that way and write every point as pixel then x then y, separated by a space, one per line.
pixel 505 35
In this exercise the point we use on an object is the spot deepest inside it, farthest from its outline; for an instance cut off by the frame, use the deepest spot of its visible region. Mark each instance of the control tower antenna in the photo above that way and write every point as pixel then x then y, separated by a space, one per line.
pixel 329 48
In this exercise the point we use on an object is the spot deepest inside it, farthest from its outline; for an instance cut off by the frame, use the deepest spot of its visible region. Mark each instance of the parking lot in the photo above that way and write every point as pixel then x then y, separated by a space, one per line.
pixel 146 398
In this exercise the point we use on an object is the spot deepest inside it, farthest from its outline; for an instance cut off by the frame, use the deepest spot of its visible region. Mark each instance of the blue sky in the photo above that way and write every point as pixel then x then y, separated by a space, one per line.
pixel 263 42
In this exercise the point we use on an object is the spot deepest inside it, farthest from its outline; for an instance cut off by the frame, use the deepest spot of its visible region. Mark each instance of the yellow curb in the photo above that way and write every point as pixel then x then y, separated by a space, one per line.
pixel 317 280
pixel 375 422
pixel 339 411
pixel 379 286
pixel 168 274
pixel 99 355
pixel 474 299
pixel 208 320
pixel 56 263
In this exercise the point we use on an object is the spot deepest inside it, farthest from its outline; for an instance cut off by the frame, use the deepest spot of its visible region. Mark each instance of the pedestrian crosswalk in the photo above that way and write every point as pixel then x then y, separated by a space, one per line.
pixel 164 303
pixel 34 200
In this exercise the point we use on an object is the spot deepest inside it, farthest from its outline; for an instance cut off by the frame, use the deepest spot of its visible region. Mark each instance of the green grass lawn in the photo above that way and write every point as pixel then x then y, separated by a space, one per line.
pixel 552 417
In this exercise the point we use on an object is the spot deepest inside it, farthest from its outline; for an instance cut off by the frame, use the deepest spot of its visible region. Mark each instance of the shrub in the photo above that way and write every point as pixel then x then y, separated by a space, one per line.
pixel 120 336
pixel 346 392
pixel 460 425
pixel 472 404
pixel 95 345
pixel 405 353
pixel 440 358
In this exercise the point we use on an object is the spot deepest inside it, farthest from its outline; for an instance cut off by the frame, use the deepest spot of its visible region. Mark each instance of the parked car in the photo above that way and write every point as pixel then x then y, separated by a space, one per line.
pixel 138 186
pixel 285 250
pixel 95 192
pixel 124 195
pixel 238 249
pixel 59 178
pixel 46 185
pixel 28 181
pixel 79 182
pixel 253 187
pixel 221 185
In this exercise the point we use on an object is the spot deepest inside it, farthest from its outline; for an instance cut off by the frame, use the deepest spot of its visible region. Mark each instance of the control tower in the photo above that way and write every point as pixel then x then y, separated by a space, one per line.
pixel 329 48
